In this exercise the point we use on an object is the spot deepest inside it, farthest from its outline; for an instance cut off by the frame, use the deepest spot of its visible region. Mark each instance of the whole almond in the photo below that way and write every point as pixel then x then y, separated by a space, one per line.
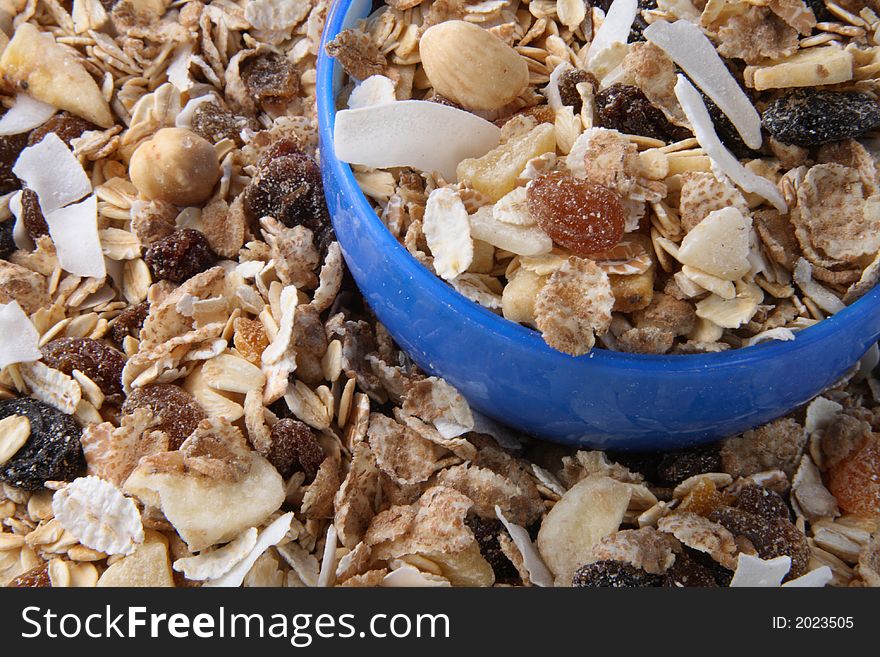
pixel 471 66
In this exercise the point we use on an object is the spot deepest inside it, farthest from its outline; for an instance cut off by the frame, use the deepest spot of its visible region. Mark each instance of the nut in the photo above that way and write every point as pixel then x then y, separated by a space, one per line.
pixel 175 165
pixel 472 66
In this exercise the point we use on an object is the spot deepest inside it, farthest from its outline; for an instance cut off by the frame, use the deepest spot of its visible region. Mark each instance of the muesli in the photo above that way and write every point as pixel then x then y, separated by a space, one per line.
pixel 206 350
pixel 705 171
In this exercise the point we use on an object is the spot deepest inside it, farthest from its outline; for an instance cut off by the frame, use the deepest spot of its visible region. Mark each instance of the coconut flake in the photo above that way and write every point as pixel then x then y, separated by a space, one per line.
pixel 448 233
pixel 51 169
pixel 688 47
pixel 328 560
pixel 551 91
pixel 74 230
pixel 817 578
pixel 698 115
pixel 212 564
pixel 20 338
pixel 822 296
pixel 270 536
pixel 26 114
pixel 753 571
pixel 778 333
pixel 375 90
pixel 19 231
pixel 421 134
pixel 615 28
pixel 534 564
pixel 408 576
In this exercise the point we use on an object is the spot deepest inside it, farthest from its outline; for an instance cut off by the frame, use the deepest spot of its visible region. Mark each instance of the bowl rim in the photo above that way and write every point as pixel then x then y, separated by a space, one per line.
pixel 529 338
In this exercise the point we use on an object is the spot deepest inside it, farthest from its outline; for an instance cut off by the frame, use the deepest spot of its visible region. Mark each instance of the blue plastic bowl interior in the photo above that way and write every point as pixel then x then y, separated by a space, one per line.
pixel 605 399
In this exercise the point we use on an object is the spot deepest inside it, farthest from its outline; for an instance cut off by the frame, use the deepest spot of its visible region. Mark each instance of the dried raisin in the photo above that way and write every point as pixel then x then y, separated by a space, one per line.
pixel 213 123
pixel 52 452
pixel 613 574
pixel 100 362
pixel 36 578
pixel 568 82
pixel 129 322
pixel 810 117
pixel 270 78
pixel 702 499
pixel 820 10
pixel 577 214
pixel 180 256
pixel 486 531
pixel 11 147
pixel 31 214
pixel 7 243
pixel 177 412
pixel 626 108
pixel 294 448
pixel 761 502
pixel 64 124
pixel 855 481
pixel 288 187
pixel 688 572
pixel 675 467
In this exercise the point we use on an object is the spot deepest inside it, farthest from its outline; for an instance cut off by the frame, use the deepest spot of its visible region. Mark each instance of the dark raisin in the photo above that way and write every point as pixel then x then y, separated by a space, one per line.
pixel 771 538
pixel 727 133
pixel 486 531
pixel 810 117
pixel 129 322
pixel 820 10
pixel 7 242
pixel 613 575
pixel 36 578
pixel 270 78
pixel 214 123
pixel 626 108
pixel 11 147
pixel 688 572
pixel 52 452
pixel 761 502
pixel 288 187
pixel 64 124
pixel 645 463
pixel 675 467
pixel 295 448
pixel 568 82
pixel 176 411
pixel 180 256
pixel 100 362
pixel 31 214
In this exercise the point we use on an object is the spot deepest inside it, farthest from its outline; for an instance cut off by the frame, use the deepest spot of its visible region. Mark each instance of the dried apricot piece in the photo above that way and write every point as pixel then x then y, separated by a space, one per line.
pixel 855 482
pixel 577 214
pixel 250 339
pixel 702 499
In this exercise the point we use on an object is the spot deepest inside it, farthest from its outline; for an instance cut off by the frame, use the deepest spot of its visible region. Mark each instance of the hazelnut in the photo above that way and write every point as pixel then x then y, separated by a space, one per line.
pixel 175 165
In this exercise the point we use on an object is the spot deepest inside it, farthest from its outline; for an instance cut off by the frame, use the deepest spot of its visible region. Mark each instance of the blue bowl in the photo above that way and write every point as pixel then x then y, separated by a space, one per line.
pixel 604 399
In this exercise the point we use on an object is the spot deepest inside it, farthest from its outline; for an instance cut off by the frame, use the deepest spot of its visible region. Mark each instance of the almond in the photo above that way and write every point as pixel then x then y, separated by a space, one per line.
pixel 472 66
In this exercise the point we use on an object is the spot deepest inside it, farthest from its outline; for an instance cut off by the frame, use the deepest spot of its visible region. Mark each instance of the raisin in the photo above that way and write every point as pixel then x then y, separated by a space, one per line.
pixel 36 578
pixel 771 537
pixel 613 575
pixel 52 452
pixel 820 10
pixel 177 412
pixel 129 322
pixel 64 124
pixel 486 531
pixel 213 123
pixel 31 214
pixel 180 256
pixel 11 147
pixel 761 502
pixel 568 82
pixel 810 117
pixel 639 24
pixel 688 572
pixel 675 467
pixel 577 214
pixel 270 78
pixel 288 187
pixel 7 242
pixel 626 108
pixel 294 449
pixel 100 362
pixel 645 463
pixel 702 499
pixel 855 480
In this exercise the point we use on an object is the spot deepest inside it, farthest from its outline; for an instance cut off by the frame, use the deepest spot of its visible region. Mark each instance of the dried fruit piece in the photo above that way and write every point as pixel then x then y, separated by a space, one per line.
pixel 568 92
pixel 98 361
pixel 11 147
pixel 32 216
pixel 854 480
pixel 213 123
pixel 626 108
pixel 250 339
pixel 613 574
pixel 486 532
pixel 577 214
pixel 175 165
pixel 36 578
pixel 762 502
pixel 51 453
pixel 810 117
pixel 64 124
pixel 180 256
pixel 270 78
pixel 688 572
pixel 175 411
pixel 129 322
pixel 7 243
pixel 675 467
pixel 294 448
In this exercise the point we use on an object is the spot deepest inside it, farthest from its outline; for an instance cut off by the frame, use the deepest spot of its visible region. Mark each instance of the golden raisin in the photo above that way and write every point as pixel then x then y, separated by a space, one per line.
pixel 855 481
pixel 577 214
pixel 703 499
pixel 250 339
